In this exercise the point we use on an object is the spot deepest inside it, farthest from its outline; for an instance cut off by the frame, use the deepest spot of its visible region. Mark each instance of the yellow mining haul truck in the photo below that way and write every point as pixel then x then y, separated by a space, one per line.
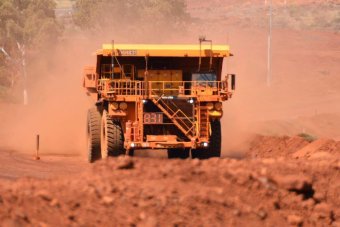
pixel 157 97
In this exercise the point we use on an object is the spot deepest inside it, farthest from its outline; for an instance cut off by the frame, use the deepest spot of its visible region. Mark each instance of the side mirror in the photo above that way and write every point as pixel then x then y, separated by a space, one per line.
pixel 233 81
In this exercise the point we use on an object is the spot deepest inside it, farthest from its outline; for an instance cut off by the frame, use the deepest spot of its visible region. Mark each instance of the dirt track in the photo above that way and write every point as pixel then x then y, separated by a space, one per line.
pixel 298 185
pixel 14 165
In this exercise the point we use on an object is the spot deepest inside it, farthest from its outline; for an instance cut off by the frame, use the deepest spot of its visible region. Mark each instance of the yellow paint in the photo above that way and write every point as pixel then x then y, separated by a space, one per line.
pixel 215 113
pixel 162 50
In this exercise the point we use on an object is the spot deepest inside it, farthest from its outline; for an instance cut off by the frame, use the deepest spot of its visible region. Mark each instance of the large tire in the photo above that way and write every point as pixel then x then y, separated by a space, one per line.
pixel 215 141
pixel 178 153
pixel 93 134
pixel 112 137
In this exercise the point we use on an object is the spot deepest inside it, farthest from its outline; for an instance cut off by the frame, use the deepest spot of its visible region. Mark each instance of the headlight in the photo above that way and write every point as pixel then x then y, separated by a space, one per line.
pixel 210 106
pixel 114 105
pixel 218 106
pixel 123 106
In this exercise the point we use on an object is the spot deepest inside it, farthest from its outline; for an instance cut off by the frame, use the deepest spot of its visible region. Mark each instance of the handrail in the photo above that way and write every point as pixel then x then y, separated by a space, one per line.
pixel 177 121
pixel 187 88
pixel 160 88
pixel 172 114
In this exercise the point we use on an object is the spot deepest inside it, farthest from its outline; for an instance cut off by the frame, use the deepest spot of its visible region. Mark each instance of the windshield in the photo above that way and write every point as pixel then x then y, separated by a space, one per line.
pixel 202 77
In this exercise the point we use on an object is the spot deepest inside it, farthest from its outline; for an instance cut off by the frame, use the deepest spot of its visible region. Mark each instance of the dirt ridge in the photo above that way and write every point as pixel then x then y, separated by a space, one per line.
pixel 155 192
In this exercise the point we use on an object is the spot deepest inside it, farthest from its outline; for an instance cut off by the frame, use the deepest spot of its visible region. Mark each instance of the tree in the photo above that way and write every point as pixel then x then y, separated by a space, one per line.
pixel 131 18
pixel 25 27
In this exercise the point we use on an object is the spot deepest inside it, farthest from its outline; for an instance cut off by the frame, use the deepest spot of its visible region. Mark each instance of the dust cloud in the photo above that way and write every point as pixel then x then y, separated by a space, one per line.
pixel 303 93
pixel 304 84
pixel 57 103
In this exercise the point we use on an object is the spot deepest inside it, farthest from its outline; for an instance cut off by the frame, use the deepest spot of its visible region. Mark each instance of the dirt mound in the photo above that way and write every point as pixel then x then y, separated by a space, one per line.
pixel 272 146
pixel 157 192
pixel 321 148
pixel 293 147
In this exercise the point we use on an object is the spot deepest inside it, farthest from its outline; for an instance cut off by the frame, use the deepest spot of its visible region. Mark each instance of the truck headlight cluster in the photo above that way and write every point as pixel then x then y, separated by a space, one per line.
pixel 123 106
pixel 218 106
pixel 116 106
pixel 210 105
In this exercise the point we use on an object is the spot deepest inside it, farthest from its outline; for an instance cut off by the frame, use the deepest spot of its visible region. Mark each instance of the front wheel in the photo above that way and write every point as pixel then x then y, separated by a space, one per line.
pixel 215 141
pixel 112 137
pixel 93 134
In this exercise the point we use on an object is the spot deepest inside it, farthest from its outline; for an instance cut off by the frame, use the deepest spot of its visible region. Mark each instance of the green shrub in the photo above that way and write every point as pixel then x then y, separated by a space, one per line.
pixel 307 137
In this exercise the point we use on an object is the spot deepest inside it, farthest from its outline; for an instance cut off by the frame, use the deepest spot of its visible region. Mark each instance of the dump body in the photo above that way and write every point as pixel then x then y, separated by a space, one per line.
pixel 163 96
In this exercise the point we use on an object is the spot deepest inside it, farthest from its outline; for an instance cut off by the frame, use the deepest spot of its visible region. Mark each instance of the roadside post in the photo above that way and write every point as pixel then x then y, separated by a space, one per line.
pixel 37 157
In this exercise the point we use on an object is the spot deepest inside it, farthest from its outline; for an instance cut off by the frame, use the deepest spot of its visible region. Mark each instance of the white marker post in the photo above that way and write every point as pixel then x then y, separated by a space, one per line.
pixel 269 54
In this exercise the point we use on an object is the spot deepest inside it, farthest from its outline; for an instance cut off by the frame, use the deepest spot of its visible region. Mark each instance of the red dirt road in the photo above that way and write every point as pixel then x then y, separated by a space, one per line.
pixel 14 165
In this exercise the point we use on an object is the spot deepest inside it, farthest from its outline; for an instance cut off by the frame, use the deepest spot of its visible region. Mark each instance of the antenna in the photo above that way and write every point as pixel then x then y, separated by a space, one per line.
pixel 113 59
pixel 202 39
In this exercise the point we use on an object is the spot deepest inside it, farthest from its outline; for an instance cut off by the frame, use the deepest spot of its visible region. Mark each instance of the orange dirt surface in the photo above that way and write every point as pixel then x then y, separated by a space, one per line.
pixel 293 148
pixel 281 181
pixel 271 179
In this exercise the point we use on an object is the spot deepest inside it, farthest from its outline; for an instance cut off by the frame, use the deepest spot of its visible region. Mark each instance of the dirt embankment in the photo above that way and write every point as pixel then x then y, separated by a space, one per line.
pixel 293 148
pixel 295 182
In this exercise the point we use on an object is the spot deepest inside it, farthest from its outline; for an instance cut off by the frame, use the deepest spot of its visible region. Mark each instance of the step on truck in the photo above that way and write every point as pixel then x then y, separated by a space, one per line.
pixel 157 97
